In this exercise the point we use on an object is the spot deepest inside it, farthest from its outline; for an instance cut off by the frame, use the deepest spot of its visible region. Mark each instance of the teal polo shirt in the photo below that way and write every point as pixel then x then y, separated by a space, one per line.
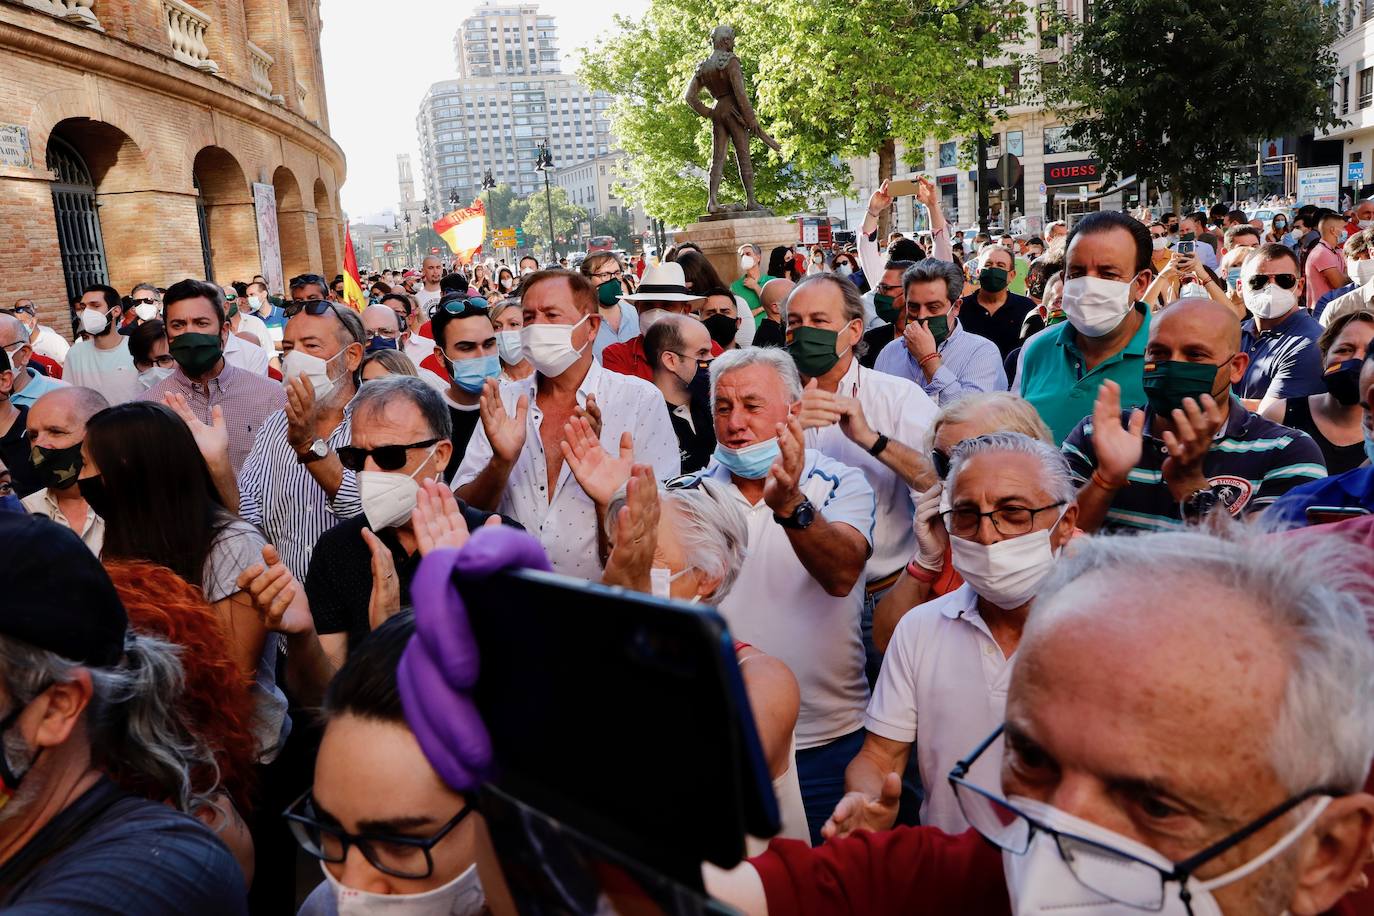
pixel 1055 380
pixel 750 297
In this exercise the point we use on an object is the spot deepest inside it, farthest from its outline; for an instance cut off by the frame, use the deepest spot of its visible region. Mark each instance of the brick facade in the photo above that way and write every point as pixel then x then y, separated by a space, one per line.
pixel 152 129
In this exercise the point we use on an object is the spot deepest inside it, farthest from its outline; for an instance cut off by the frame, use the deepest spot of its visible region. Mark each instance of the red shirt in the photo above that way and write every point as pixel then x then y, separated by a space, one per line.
pixel 53 367
pixel 909 871
pixel 627 358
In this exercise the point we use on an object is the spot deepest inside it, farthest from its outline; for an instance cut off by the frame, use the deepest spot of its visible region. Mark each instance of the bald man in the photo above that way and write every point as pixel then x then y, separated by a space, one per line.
pixel 385 328
pixel 1195 449
pixel 429 292
pixel 770 330
pixel 57 426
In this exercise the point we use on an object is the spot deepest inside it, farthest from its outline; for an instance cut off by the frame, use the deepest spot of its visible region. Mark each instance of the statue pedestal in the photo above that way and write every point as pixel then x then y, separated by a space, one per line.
pixel 719 235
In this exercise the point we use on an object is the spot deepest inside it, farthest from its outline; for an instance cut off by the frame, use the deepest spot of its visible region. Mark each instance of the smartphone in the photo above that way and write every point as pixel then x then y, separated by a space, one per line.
pixel 1185 247
pixel 902 187
pixel 1186 237
pixel 1325 515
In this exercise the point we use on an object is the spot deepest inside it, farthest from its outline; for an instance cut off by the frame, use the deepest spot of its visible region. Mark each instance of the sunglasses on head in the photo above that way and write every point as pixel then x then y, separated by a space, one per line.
pixel 314 307
pixel 386 457
pixel 1260 281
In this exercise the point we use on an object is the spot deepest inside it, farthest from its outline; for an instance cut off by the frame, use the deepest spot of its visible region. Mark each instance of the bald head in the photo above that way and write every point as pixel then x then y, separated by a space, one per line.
pixel 1200 320
pixel 773 294
pixel 80 403
pixel 12 330
pixel 381 319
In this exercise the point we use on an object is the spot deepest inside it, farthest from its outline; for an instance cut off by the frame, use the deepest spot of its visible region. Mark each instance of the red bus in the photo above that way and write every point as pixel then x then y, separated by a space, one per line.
pixel 600 243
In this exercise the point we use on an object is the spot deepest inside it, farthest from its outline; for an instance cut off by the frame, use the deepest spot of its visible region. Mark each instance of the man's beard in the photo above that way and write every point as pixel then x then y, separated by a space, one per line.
pixel 21 800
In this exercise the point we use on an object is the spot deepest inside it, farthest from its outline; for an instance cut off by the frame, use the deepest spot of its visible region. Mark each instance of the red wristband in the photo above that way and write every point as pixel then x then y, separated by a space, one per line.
pixel 1102 482
pixel 927 358
pixel 920 573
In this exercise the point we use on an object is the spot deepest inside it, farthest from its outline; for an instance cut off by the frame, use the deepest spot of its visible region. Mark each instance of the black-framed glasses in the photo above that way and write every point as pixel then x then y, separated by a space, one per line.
pixel 608 275
pixel 398 856
pixel 386 457
pixel 19 310
pixel 1010 521
pixel 316 307
pixel 1260 281
pixel 165 361
pixel 152 301
pixel 1115 874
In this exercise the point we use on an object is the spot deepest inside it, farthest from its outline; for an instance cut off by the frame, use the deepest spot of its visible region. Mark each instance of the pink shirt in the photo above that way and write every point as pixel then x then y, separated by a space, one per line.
pixel 1320 258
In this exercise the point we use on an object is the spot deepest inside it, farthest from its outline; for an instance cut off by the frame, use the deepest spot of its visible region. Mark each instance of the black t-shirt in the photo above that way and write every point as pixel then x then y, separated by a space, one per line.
pixel 877 338
pixel 696 440
pixel 1339 458
pixel 1002 327
pixel 769 334
pixel 15 451
pixel 464 422
pixel 113 853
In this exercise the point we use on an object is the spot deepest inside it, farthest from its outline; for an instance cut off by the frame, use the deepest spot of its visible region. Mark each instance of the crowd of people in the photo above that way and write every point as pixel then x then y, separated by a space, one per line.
pixel 1089 511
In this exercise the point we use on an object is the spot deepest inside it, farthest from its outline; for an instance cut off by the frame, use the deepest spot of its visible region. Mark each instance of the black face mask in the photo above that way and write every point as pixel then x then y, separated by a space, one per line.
pixel 699 388
pixel 93 492
pixel 721 328
pixel 1343 381
pixel 57 467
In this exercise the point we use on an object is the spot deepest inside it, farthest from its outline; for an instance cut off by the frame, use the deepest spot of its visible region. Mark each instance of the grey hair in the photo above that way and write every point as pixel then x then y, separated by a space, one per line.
pixel 853 299
pixel 713 532
pixel 932 270
pixel 134 722
pixel 353 324
pixel 1318 611
pixel 380 393
pixel 1058 480
pixel 775 358
pixel 1002 410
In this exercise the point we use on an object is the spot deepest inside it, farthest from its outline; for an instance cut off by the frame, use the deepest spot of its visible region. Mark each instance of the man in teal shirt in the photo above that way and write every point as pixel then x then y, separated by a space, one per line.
pixel 752 278
pixel 1106 271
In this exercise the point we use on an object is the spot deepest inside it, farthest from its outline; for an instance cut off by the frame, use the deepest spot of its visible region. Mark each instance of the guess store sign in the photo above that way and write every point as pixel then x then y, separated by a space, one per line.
pixel 1075 171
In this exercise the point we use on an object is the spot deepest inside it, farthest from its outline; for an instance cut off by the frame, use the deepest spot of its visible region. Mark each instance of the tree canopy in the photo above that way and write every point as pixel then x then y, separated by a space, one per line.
pixel 535 220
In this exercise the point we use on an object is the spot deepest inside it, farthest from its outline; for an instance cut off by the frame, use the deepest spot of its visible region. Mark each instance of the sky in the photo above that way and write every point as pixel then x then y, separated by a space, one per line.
pixel 381 57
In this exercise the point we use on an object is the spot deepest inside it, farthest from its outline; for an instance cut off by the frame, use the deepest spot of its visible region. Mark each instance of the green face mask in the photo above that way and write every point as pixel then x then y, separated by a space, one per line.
pixel 233 309
pixel 938 326
pixel 883 306
pixel 1168 382
pixel 609 293
pixel 1055 319
pixel 196 354
pixel 992 279
pixel 813 350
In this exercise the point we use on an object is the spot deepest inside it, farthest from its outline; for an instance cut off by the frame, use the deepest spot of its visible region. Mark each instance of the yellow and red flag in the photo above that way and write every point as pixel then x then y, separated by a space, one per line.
pixel 353 284
pixel 463 230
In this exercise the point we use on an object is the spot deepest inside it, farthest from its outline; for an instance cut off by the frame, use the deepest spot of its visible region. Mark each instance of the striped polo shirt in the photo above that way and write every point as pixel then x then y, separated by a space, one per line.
pixel 1252 462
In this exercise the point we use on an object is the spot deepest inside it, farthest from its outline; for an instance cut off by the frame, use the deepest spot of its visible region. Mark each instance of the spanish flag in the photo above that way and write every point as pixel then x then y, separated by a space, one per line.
pixel 463 230
pixel 353 286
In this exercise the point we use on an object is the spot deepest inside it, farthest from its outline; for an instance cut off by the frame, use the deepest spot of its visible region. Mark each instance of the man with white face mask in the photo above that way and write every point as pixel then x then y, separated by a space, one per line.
pixel 1176 757
pixel 1107 268
pixel 946 669
pixel 1280 337
pixel 751 280
pixel 515 461
pixel 663 291
pixel 102 361
pixel 147 304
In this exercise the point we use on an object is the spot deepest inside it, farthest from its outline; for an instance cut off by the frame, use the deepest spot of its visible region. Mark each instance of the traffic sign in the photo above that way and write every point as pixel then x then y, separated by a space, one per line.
pixel 434 251
pixel 1354 171
pixel 519 237
pixel 503 238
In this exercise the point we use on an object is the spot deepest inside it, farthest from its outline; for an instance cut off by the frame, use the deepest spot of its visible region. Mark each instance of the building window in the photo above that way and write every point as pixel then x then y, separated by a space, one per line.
pixel 1345 95
pixel 1367 87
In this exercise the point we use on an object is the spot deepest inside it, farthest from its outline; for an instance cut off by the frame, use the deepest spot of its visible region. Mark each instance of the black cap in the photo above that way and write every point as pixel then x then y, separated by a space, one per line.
pixel 57 596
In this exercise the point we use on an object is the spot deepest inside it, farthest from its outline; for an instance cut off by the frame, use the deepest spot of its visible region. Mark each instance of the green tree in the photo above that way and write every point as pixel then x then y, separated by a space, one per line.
pixel 615 224
pixel 1167 90
pixel 535 221
pixel 505 208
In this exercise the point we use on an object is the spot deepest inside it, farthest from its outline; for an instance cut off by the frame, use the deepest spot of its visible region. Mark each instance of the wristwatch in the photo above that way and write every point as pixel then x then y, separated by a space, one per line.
pixel 801 517
pixel 318 449
pixel 1197 504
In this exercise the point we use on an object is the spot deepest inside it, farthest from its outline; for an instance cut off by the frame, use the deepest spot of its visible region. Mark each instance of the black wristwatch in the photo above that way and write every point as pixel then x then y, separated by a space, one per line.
pixel 1199 503
pixel 801 517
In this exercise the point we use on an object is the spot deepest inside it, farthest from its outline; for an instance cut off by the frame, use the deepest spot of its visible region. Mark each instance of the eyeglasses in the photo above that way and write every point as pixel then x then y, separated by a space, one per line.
pixel 388 335
pixel 1260 281
pixel 316 307
pixel 398 856
pixel 608 275
pixel 18 310
pixel 1116 875
pixel 387 457
pixel 164 361
pixel 1010 521
pixel 151 301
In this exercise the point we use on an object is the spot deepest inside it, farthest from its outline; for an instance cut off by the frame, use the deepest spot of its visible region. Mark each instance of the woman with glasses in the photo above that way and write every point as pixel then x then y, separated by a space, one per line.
pixel 385 827
pixel 619 322
pixel 148 347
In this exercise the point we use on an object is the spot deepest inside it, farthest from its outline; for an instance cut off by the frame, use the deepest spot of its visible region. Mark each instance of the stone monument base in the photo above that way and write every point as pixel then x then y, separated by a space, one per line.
pixel 720 234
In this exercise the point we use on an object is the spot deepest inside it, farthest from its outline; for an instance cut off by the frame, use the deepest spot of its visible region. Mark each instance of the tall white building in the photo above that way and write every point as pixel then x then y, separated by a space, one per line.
pixel 509 97
pixel 590 184
pixel 1354 94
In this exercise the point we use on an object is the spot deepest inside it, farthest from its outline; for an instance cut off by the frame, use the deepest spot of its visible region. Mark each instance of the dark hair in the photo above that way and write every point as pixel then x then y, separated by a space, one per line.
pixel 1036 240
pixel 240 287
pixel 698 271
pixel 527 257
pixel 679 248
pixel 1274 251
pixel 1165 217
pixel 1219 209
pixel 1243 229
pixel 1324 215
pixel 780 263
pixel 399 297
pixel 1338 325
pixel 366 684
pixel 717 291
pixel 142 337
pixel 195 289
pixel 163 502
pixel 304 280
pixel 596 258
pixel 583 292
pixel 1239 216
pixel 453 283
pixel 1042 269
pixel 663 336
pixel 1107 220
pixel 904 249
pixel 898 265
pixel 112 297
pixel 1198 217
pixel 443 318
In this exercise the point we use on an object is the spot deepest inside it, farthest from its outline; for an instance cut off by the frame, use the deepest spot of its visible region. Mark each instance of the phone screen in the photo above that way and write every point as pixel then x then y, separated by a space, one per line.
pixel 1325 515
pixel 1184 247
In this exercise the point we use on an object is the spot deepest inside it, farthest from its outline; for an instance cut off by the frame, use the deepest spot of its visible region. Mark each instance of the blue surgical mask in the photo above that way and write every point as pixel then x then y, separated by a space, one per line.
pixel 751 462
pixel 1368 445
pixel 470 374
pixel 11 503
pixel 378 342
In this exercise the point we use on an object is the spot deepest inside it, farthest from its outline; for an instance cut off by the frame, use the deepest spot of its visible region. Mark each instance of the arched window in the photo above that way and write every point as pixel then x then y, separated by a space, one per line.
pixel 78 222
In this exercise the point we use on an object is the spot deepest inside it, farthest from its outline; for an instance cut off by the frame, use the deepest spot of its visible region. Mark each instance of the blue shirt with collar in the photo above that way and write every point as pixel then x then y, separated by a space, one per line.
pixel 1284 360
pixel 968 364
pixel 38 385
pixel 1353 489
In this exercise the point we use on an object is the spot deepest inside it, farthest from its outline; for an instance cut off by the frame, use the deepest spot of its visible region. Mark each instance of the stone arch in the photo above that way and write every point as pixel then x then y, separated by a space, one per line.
pixel 230 220
pixel 327 221
pixel 295 226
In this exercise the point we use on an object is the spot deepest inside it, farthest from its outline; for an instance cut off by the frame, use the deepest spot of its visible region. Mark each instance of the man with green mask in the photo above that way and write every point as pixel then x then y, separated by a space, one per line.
pixel 1195 450
pixel 889 302
pixel 993 311
pixel 224 400
pixel 934 350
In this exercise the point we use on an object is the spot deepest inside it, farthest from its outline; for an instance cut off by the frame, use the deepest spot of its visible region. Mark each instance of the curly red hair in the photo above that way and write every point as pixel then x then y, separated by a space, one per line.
pixel 217 705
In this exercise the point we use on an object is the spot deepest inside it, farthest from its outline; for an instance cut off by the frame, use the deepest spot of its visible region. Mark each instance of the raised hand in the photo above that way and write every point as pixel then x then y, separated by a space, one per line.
pixel 819 408
pixel 506 433
pixel 782 487
pixel 854 423
pixel 212 440
pixel 879 201
pixel 592 413
pixel 931 537
pixel 438 520
pixel 920 343
pixel 276 595
pixel 598 472
pixel 636 533
pixel 925 191
pixel 385 601
pixel 1188 444
pixel 301 411
pixel 1118 448
pixel 857 811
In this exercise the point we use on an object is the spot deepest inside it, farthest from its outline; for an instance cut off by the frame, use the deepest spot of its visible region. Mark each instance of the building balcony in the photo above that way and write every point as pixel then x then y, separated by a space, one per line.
pixel 80 12
pixel 186 28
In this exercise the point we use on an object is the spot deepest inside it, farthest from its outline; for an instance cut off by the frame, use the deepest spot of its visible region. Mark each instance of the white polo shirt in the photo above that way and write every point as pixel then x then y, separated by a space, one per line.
pixel 776 606
pixel 943 669
pixel 899 409
pixel 566 525
pixel 241 354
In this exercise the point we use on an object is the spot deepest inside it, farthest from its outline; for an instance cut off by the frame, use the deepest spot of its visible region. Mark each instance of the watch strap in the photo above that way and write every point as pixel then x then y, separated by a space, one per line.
pixel 878 445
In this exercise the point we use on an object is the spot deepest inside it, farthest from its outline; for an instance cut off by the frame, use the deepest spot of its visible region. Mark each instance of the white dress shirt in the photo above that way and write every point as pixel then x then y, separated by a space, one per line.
pixel 566 524
pixel 244 355
pixel 899 409
pixel 944 677
pixel 252 324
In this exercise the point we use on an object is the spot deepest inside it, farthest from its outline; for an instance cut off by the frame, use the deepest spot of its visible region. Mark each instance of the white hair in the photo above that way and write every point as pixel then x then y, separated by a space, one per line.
pixel 775 358
pixel 1055 475
pixel 1318 610
pixel 713 532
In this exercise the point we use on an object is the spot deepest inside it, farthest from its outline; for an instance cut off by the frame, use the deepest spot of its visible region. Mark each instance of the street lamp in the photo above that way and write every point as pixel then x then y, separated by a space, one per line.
pixel 488 183
pixel 544 163
pixel 453 196
pixel 409 248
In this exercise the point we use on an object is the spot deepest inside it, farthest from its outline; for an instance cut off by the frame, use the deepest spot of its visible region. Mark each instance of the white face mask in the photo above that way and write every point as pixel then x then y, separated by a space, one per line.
pixel 93 321
pixel 389 496
pixel 1008 572
pixel 151 376
pixel 661 580
pixel 649 317
pixel 1039 881
pixel 1269 302
pixel 298 362
pixel 1160 242
pixel 146 311
pixel 509 347
pixel 1094 306
pixel 1366 223
pixel 844 270
pixel 549 347
pixel 463 896
pixel 1360 272
pixel 747 262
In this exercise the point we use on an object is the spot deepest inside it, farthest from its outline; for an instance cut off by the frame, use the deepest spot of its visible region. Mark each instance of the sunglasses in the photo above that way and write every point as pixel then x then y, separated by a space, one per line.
pixel 1260 281
pixel 386 457
pixel 154 301
pixel 21 310
pixel 314 307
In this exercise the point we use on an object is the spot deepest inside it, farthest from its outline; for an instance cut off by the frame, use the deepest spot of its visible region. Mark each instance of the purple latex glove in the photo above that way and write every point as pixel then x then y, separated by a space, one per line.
pixel 439 666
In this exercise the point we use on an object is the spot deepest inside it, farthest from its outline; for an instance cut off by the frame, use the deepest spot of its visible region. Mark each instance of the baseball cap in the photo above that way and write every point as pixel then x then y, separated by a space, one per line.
pixel 57 595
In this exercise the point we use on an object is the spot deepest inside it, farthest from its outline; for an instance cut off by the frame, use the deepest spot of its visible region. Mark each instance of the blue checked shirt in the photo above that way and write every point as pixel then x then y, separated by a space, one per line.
pixel 968 364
